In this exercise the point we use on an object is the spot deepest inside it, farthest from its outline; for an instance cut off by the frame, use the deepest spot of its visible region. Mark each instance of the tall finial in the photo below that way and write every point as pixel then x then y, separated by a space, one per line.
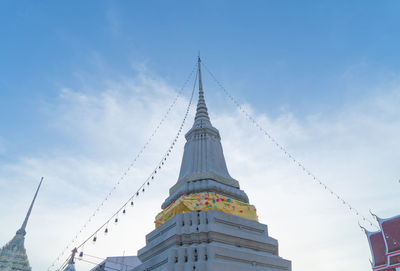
pixel 23 227
pixel 199 68
pixel 202 117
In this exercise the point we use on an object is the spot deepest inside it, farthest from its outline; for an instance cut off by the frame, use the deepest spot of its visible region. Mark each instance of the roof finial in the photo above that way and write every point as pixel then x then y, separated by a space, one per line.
pixel 374 215
pixel 71 262
pixel 362 228
pixel 23 227
pixel 72 259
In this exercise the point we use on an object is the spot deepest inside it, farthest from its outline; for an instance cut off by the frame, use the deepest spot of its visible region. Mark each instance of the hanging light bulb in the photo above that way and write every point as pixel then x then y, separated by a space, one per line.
pixel 81 254
pixel 124 211
pixel 152 177
pixel 131 203
pixel 148 183
pixel 106 231
pixel 94 239
pixel 143 190
pixel 116 220
pixel 137 193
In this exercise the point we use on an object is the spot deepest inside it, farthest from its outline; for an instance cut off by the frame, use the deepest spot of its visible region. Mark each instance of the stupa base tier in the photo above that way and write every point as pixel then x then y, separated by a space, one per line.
pixel 210 240
pixel 213 257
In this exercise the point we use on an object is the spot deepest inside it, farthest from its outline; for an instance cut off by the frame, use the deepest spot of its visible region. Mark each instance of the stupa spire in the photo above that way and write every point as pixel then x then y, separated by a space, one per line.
pixel 203 164
pixel 23 227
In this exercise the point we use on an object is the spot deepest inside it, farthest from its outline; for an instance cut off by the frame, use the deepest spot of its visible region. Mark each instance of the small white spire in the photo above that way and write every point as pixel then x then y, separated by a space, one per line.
pixel 23 227
pixel 13 254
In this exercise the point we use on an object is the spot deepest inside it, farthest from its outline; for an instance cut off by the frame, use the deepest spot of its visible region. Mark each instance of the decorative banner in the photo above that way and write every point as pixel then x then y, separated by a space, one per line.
pixel 204 202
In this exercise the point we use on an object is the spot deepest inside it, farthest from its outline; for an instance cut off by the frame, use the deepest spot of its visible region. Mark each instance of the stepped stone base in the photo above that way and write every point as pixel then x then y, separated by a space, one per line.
pixel 210 241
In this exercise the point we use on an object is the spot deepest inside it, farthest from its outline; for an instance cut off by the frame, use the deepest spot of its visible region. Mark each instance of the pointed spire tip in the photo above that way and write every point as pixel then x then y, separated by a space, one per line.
pixel 201 117
pixel 23 227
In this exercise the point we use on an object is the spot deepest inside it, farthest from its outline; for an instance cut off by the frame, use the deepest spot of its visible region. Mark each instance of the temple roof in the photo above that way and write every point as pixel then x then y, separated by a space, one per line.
pixel 391 231
pixel 13 255
pixel 203 157
pixel 70 267
pixel 385 244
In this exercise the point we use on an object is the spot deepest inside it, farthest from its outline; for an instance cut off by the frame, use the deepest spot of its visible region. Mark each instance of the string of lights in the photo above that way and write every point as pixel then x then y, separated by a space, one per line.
pixel 142 188
pixel 125 173
pixel 287 153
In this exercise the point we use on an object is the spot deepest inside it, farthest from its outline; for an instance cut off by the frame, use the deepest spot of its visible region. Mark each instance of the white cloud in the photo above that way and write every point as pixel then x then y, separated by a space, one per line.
pixel 114 21
pixel 355 151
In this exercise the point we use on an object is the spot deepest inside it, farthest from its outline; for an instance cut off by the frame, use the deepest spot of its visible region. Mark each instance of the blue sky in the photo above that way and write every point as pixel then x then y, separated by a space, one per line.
pixel 293 53
pixel 322 75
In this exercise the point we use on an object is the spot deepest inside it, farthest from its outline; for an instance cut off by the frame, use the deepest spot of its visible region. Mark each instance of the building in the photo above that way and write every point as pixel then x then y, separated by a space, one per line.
pixel 13 255
pixel 385 244
pixel 207 222
pixel 123 263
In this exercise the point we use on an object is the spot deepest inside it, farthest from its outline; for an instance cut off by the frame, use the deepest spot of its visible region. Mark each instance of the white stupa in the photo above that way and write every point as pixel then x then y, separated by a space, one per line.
pixel 207 222
pixel 13 255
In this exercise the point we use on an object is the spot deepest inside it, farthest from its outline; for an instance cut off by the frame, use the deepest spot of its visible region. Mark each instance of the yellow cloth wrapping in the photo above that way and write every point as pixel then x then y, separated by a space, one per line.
pixel 205 202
